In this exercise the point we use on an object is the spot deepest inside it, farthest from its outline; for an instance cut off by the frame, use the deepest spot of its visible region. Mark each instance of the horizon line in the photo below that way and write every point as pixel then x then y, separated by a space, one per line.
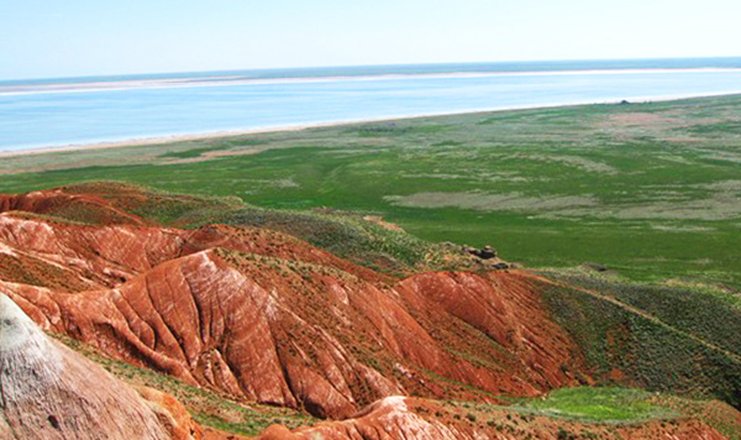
pixel 350 66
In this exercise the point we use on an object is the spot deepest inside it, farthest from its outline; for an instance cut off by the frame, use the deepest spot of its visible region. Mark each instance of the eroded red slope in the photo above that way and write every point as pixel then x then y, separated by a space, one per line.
pixel 262 316
pixel 50 253
pixel 298 334
pixel 83 207
pixel 266 317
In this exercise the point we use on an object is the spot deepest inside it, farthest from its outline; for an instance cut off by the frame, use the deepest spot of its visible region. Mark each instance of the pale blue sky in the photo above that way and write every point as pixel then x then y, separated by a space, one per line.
pixel 52 38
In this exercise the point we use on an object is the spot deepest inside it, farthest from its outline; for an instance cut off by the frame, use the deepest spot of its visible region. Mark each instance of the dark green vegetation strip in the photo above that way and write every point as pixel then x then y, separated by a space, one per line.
pixel 650 190
pixel 656 346
pixel 711 316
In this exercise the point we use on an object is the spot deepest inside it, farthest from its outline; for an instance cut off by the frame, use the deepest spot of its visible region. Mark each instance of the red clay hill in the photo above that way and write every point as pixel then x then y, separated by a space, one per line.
pixel 260 316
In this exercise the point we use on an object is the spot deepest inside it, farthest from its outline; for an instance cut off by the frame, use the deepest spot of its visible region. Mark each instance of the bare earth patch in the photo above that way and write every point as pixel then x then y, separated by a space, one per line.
pixel 639 118
pixel 378 220
pixel 208 155
pixel 717 207
pixel 723 185
pixel 491 202
pixel 722 206
pixel 582 163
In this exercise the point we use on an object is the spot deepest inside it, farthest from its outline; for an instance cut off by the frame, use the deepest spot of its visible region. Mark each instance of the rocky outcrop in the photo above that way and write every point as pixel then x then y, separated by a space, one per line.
pixel 265 317
pixel 50 392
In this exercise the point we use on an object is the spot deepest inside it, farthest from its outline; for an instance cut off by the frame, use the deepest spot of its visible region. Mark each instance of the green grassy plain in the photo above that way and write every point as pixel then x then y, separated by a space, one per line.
pixel 652 191
pixel 599 404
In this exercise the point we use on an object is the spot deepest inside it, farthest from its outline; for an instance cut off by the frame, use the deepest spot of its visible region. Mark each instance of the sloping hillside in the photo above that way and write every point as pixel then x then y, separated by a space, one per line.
pixel 300 333
pixel 269 315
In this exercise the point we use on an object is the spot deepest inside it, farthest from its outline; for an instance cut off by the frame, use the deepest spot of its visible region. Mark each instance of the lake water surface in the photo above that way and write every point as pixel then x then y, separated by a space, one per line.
pixel 44 113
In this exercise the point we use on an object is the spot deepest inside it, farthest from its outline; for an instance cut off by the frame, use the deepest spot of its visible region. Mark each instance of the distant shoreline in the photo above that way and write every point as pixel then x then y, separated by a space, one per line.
pixel 220 81
pixel 167 139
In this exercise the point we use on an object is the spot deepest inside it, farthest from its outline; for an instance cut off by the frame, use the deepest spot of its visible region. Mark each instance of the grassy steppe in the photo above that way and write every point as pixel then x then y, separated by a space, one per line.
pixel 650 190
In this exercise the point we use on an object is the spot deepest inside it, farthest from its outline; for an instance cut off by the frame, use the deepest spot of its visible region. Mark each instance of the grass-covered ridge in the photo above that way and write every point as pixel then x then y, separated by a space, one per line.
pixel 713 316
pixel 365 240
pixel 650 190
pixel 663 339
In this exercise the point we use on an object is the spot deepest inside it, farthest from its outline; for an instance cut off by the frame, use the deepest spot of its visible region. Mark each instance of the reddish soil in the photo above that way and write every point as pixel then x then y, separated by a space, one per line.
pixel 264 317
pixel 413 418
pixel 301 335
pixel 84 207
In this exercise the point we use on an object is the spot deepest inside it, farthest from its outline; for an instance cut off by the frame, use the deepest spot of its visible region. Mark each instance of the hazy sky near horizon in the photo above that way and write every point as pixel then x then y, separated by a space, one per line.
pixel 46 38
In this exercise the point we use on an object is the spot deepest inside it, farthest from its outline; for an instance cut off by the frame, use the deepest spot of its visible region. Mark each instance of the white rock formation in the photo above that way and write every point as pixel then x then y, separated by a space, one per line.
pixel 50 392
